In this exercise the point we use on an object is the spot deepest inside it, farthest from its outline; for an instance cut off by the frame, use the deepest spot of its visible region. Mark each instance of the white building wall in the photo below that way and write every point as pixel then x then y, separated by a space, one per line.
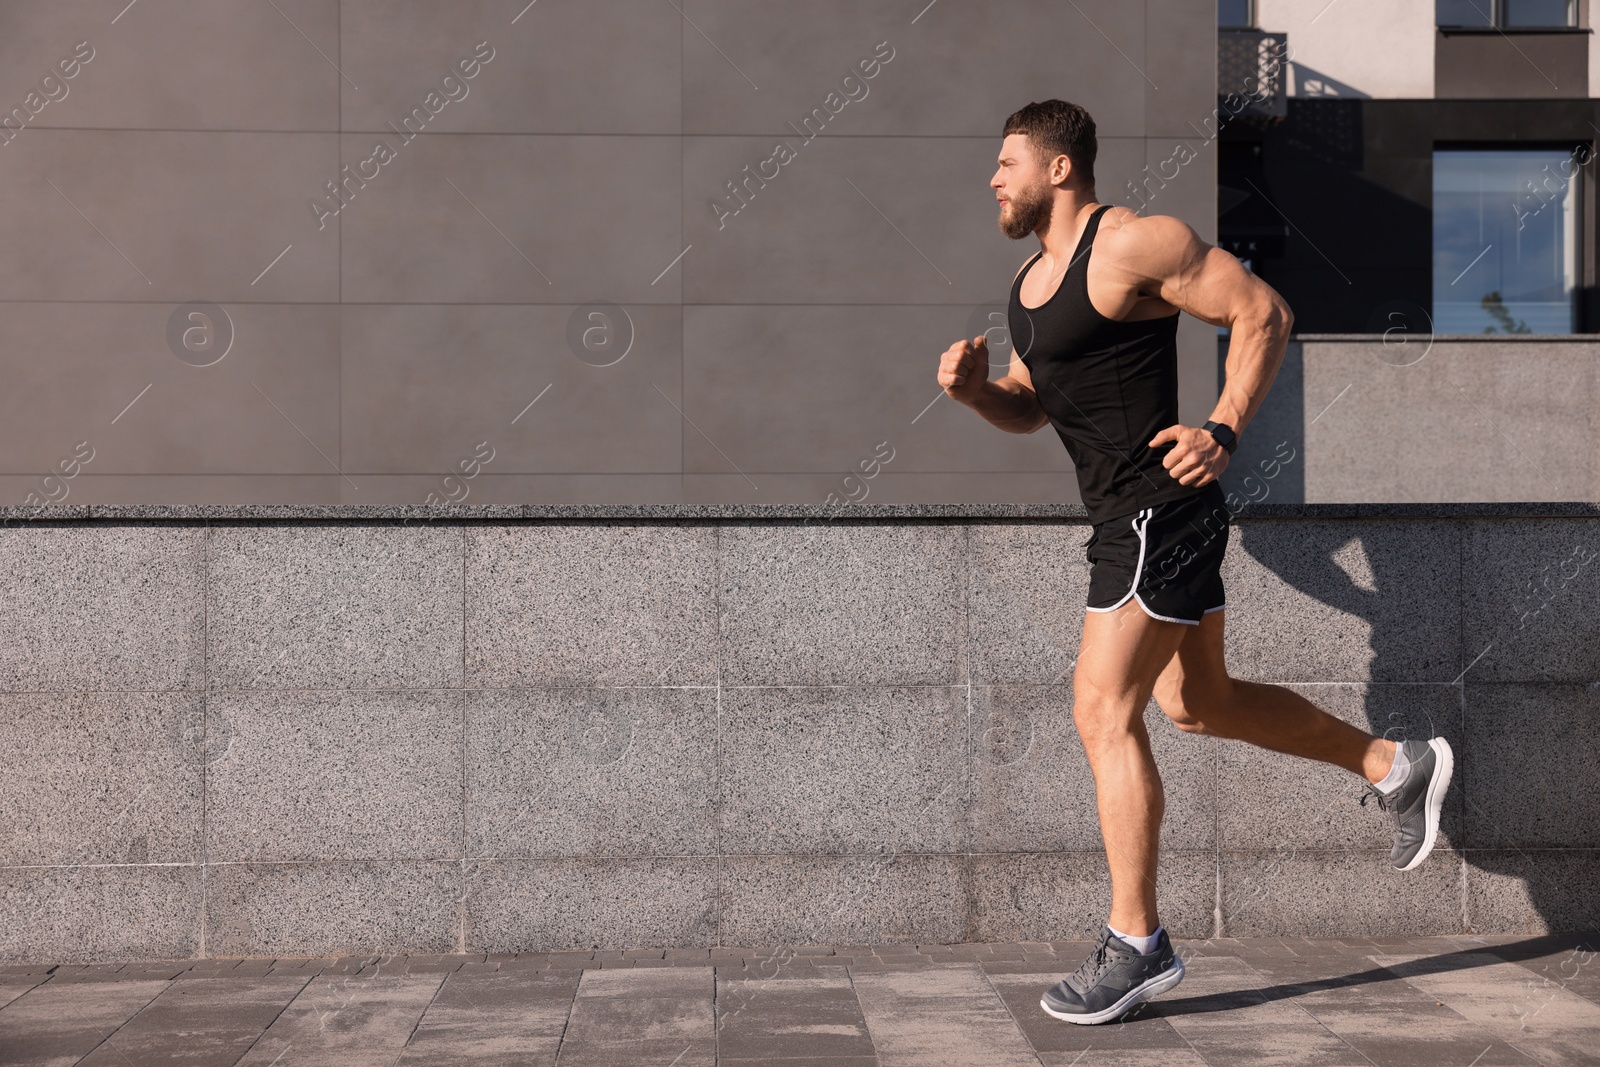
pixel 1356 48
pixel 1586 18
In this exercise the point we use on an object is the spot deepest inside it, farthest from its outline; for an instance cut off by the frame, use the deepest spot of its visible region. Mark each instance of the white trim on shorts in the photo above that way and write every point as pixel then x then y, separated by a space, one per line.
pixel 1138 568
pixel 1163 618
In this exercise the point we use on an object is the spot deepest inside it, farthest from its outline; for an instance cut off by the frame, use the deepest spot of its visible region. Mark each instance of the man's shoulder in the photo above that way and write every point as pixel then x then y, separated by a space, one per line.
pixel 1125 228
pixel 1147 245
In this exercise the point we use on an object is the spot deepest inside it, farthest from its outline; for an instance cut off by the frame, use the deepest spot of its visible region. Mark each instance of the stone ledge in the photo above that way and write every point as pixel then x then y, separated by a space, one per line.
pixel 200 513
pixel 1453 338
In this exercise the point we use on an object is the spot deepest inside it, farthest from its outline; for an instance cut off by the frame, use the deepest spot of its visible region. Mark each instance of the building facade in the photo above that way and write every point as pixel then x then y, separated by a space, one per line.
pixel 1417 180
pixel 385 252
pixel 1431 163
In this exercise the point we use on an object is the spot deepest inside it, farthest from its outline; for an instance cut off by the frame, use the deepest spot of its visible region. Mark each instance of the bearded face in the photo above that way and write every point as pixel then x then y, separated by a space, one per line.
pixel 1026 210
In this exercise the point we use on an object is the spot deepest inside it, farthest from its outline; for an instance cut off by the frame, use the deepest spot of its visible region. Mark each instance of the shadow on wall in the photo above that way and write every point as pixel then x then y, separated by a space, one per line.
pixel 1512 811
pixel 1278 429
pixel 1312 84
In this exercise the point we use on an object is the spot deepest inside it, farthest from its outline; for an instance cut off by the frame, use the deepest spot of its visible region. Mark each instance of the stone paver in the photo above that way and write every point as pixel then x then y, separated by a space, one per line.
pixel 1547 1022
pixel 1330 1002
pixel 945 1013
pixel 346 1020
pixel 493 1020
pixel 766 1019
pixel 1387 1021
pixel 1095 1057
pixel 1220 1010
pixel 14 987
pixel 642 1015
pixel 217 1020
pixel 61 1024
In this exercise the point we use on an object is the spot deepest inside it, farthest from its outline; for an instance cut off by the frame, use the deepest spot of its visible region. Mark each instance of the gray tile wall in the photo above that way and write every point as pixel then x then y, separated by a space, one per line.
pixel 362 356
pixel 302 737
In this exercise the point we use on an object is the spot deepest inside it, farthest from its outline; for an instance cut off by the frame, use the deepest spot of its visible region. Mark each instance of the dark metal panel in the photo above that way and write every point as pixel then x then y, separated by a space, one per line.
pixel 1521 65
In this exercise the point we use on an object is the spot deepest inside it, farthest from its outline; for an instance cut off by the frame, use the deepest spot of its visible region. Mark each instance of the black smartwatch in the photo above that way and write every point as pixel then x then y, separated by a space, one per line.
pixel 1224 435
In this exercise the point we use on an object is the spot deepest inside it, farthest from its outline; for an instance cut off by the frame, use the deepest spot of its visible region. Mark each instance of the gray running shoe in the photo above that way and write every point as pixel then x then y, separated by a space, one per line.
pixel 1416 802
pixel 1113 980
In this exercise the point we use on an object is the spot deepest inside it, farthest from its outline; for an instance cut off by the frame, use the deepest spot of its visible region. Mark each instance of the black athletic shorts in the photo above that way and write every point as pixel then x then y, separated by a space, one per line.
pixel 1168 558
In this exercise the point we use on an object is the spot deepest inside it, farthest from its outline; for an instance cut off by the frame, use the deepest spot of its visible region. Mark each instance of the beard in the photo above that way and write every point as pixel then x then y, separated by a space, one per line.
pixel 1028 212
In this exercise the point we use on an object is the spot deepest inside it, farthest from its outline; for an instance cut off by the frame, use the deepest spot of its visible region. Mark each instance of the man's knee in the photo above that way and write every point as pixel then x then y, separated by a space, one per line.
pixel 1100 717
pixel 1192 707
pixel 1186 722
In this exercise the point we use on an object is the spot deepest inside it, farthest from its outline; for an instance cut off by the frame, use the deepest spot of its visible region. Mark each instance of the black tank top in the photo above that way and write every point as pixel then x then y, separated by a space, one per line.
pixel 1107 385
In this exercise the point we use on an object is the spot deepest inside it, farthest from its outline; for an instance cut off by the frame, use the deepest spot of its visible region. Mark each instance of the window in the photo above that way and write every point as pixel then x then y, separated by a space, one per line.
pixel 1236 14
pixel 1505 239
pixel 1506 14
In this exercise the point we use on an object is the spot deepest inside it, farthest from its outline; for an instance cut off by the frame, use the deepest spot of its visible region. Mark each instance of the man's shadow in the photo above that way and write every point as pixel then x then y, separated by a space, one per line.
pixel 1390 600
pixel 1461 959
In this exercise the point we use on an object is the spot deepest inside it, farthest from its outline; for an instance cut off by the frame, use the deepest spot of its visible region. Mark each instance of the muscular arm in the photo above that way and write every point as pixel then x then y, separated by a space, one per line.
pixel 1171 261
pixel 1168 259
pixel 1008 402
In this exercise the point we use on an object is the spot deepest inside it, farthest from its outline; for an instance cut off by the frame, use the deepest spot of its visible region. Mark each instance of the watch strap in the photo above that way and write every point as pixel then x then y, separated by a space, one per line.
pixel 1226 437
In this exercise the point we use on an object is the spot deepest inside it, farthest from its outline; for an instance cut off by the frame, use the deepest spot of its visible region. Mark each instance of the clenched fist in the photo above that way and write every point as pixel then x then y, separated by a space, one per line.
pixel 964 368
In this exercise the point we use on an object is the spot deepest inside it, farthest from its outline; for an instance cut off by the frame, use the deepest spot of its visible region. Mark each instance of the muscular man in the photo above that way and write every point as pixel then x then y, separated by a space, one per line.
pixel 1093 318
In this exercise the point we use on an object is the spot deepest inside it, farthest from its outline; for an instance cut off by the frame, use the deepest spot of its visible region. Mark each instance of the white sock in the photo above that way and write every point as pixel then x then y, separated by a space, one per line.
pixel 1397 773
pixel 1142 945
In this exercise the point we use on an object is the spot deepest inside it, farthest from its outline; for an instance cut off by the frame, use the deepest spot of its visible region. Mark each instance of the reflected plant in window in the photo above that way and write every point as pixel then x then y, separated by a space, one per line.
pixel 1497 310
pixel 1505 261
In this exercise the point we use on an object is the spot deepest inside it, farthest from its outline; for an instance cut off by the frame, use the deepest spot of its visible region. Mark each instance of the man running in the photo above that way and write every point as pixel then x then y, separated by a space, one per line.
pixel 1093 319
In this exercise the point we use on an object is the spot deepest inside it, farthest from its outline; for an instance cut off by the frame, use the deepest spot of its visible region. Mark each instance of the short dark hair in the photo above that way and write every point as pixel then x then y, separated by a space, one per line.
pixel 1057 128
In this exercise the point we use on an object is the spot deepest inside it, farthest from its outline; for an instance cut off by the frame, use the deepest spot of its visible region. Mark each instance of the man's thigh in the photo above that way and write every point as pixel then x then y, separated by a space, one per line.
pixel 1121 655
pixel 1196 676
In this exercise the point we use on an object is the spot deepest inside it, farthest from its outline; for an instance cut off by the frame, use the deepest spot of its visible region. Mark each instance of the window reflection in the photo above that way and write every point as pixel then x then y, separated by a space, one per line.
pixel 1504 240
pixel 1235 14
pixel 1537 12
pixel 1463 13
pixel 1523 14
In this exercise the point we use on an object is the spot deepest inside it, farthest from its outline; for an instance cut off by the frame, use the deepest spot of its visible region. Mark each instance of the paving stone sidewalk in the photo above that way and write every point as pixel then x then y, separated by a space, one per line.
pixel 1374 1002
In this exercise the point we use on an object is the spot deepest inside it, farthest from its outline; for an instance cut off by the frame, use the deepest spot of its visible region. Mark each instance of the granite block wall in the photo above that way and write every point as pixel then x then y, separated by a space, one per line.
pixel 236 732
